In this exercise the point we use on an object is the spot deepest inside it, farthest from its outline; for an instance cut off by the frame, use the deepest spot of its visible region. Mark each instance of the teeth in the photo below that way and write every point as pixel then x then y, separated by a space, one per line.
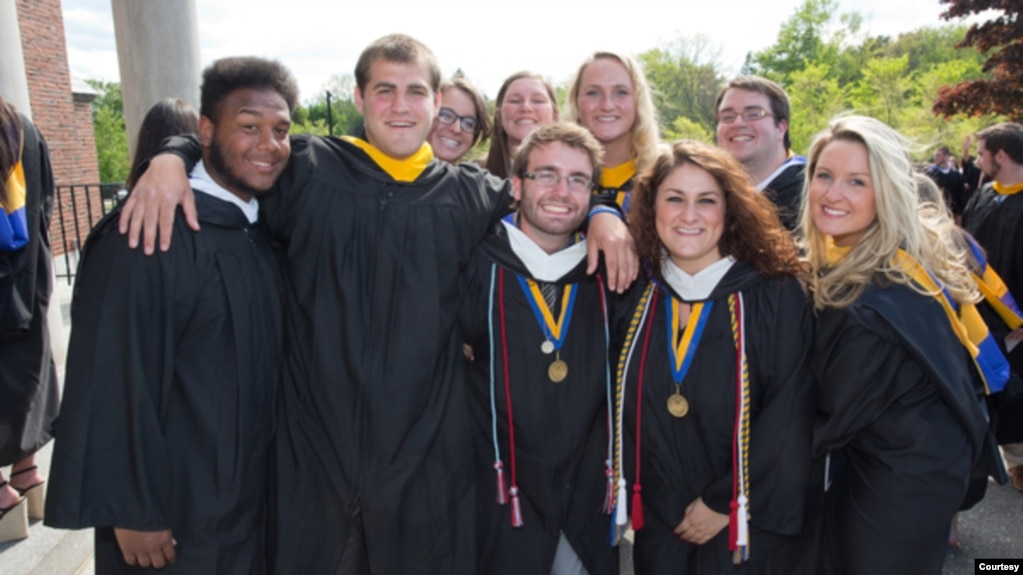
pixel 556 209
pixel 686 231
pixel 401 124
pixel 607 118
pixel 449 142
pixel 525 121
pixel 262 164
pixel 834 212
pixel 742 138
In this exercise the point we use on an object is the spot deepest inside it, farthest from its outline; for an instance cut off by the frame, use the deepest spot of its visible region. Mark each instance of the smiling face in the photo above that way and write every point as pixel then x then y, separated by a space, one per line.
pixel 758 145
pixel 526 107
pixel 842 202
pixel 689 211
pixel 248 146
pixel 398 106
pixel 449 141
pixel 550 215
pixel 606 101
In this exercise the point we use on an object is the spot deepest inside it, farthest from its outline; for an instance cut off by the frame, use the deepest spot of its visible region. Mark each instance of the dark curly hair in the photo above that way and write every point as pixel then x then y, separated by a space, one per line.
pixel 235 73
pixel 753 233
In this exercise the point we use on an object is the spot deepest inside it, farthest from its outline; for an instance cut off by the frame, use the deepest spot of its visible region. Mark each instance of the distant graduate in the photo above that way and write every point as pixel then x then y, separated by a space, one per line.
pixel 174 361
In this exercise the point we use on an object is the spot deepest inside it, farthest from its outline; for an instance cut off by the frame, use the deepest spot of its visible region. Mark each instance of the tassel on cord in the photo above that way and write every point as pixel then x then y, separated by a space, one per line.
pixel 742 537
pixel 622 508
pixel 609 495
pixel 502 488
pixel 637 507
pixel 733 525
pixel 516 507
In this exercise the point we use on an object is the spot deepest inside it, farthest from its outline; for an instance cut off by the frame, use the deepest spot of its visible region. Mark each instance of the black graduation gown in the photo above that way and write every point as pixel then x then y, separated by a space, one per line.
pixel 171 394
pixel 561 429
pixel 29 396
pixel 375 439
pixel 996 222
pixel 901 415
pixel 786 192
pixel 683 459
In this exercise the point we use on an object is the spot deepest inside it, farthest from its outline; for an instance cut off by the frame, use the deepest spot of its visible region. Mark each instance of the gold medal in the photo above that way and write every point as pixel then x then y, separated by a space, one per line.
pixel 547 347
pixel 558 371
pixel 678 406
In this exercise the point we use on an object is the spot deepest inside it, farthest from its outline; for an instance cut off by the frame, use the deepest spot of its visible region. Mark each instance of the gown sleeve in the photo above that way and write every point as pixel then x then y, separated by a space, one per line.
pixel 110 463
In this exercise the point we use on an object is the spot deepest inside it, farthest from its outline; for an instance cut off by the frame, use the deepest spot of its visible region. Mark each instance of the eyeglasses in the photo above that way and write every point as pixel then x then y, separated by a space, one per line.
pixel 748 115
pixel 448 116
pixel 550 179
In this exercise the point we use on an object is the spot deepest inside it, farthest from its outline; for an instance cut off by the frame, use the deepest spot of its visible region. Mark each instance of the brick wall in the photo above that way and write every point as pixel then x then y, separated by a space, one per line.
pixel 65 123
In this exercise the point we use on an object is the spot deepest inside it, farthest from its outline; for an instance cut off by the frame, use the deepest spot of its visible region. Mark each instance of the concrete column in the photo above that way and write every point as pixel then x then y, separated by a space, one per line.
pixel 13 82
pixel 158 53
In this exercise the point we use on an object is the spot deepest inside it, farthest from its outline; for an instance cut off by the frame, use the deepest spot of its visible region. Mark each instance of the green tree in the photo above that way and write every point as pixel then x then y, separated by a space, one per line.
pixel 685 76
pixel 806 37
pixel 109 131
pixel 885 91
pixel 685 129
pixel 816 97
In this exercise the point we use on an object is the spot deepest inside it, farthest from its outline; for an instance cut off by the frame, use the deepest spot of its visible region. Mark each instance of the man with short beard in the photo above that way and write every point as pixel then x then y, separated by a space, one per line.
pixel 173 368
pixel 994 216
pixel 539 379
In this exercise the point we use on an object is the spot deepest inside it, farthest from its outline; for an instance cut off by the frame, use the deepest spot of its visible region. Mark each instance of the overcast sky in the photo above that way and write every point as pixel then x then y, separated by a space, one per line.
pixel 487 40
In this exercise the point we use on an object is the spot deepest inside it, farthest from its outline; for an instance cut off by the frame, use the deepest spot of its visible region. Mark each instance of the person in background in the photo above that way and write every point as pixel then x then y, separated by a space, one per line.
pixel 753 116
pixel 901 414
pixel 28 378
pixel 462 122
pixel 949 179
pixel 525 102
pixel 168 117
pixel 611 98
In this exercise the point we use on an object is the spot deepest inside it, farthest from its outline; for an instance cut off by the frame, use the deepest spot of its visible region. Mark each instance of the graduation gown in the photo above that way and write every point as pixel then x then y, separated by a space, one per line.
pixel 171 394
pixel 561 428
pixel 29 396
pixel 996 222
pixel 903 420
pixel 375 445
pixel 684 459
pixel 785 191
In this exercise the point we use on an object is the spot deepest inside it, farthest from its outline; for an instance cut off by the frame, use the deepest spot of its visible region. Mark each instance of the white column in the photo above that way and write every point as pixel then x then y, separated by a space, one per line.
pixel 13 82
pixel 158 53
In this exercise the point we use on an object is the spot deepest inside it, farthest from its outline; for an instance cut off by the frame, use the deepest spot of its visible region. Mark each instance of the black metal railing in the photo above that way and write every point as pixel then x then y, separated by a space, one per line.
pixel 77 209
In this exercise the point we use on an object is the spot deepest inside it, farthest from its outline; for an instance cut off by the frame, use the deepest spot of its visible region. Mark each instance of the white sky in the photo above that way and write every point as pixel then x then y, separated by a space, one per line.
pixel 488 40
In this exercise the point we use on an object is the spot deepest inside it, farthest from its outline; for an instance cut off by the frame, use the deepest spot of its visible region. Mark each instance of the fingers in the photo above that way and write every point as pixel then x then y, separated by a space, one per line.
pixel 592 258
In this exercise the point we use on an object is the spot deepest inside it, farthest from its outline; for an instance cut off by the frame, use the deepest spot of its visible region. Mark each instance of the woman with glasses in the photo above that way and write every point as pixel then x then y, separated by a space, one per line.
pixel 714 393
pixel 901 356
pixel 461 123
pixel 611 98
pixel 525 102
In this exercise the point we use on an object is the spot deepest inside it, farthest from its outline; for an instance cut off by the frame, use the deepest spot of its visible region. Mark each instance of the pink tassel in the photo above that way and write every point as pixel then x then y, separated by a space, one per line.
pixel 637 507
pixel 609 496
pixel 516 508
pixel 502 489
pixel 733 526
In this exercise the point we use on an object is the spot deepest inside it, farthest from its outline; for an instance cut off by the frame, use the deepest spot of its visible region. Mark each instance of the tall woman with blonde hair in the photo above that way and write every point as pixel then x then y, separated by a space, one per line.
pixel 899 356
pixel 611 98
pixel 714 394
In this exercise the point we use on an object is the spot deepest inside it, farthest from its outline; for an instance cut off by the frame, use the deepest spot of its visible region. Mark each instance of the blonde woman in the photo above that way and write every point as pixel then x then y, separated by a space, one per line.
pixel 899 392
pixel 611 98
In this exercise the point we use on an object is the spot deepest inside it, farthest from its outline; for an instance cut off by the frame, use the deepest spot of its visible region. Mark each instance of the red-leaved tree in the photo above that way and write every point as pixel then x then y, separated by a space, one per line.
pixel 1000 37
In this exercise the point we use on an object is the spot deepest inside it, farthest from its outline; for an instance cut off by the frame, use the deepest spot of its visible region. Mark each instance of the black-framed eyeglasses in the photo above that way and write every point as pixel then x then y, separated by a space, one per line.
pixel 447 116
pixel 550 179
pixel 748 115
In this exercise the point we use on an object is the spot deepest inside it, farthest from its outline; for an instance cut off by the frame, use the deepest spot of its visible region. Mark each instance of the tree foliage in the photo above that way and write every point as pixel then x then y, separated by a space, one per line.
pixel 109 131
pixel 1001 40
pixel 685 76
pixel 313 117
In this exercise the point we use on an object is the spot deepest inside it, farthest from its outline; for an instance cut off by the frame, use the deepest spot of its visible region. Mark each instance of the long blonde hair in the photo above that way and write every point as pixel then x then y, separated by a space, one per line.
pixel 923 231
pixel 645 136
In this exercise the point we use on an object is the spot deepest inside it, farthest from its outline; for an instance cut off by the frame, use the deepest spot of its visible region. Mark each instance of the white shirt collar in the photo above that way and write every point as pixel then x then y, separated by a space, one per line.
pixel 201 180
pixel 794 160
pixel 541 265
pixel 695 287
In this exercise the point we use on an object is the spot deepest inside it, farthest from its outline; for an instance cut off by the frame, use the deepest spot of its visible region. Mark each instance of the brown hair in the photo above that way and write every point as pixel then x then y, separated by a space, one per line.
pixel 482 133
pixel 498 159
pixel 568 133
pixel 397 48
pixel 753 233
pixel 10 144
pixel 780 105
pixel 168 117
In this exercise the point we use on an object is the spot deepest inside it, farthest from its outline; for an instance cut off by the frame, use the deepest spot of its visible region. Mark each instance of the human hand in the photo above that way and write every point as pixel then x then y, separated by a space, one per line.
pixel 608 233
pixel 700 523
pixel 146 548
pixel 153 201
pixel 467 351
